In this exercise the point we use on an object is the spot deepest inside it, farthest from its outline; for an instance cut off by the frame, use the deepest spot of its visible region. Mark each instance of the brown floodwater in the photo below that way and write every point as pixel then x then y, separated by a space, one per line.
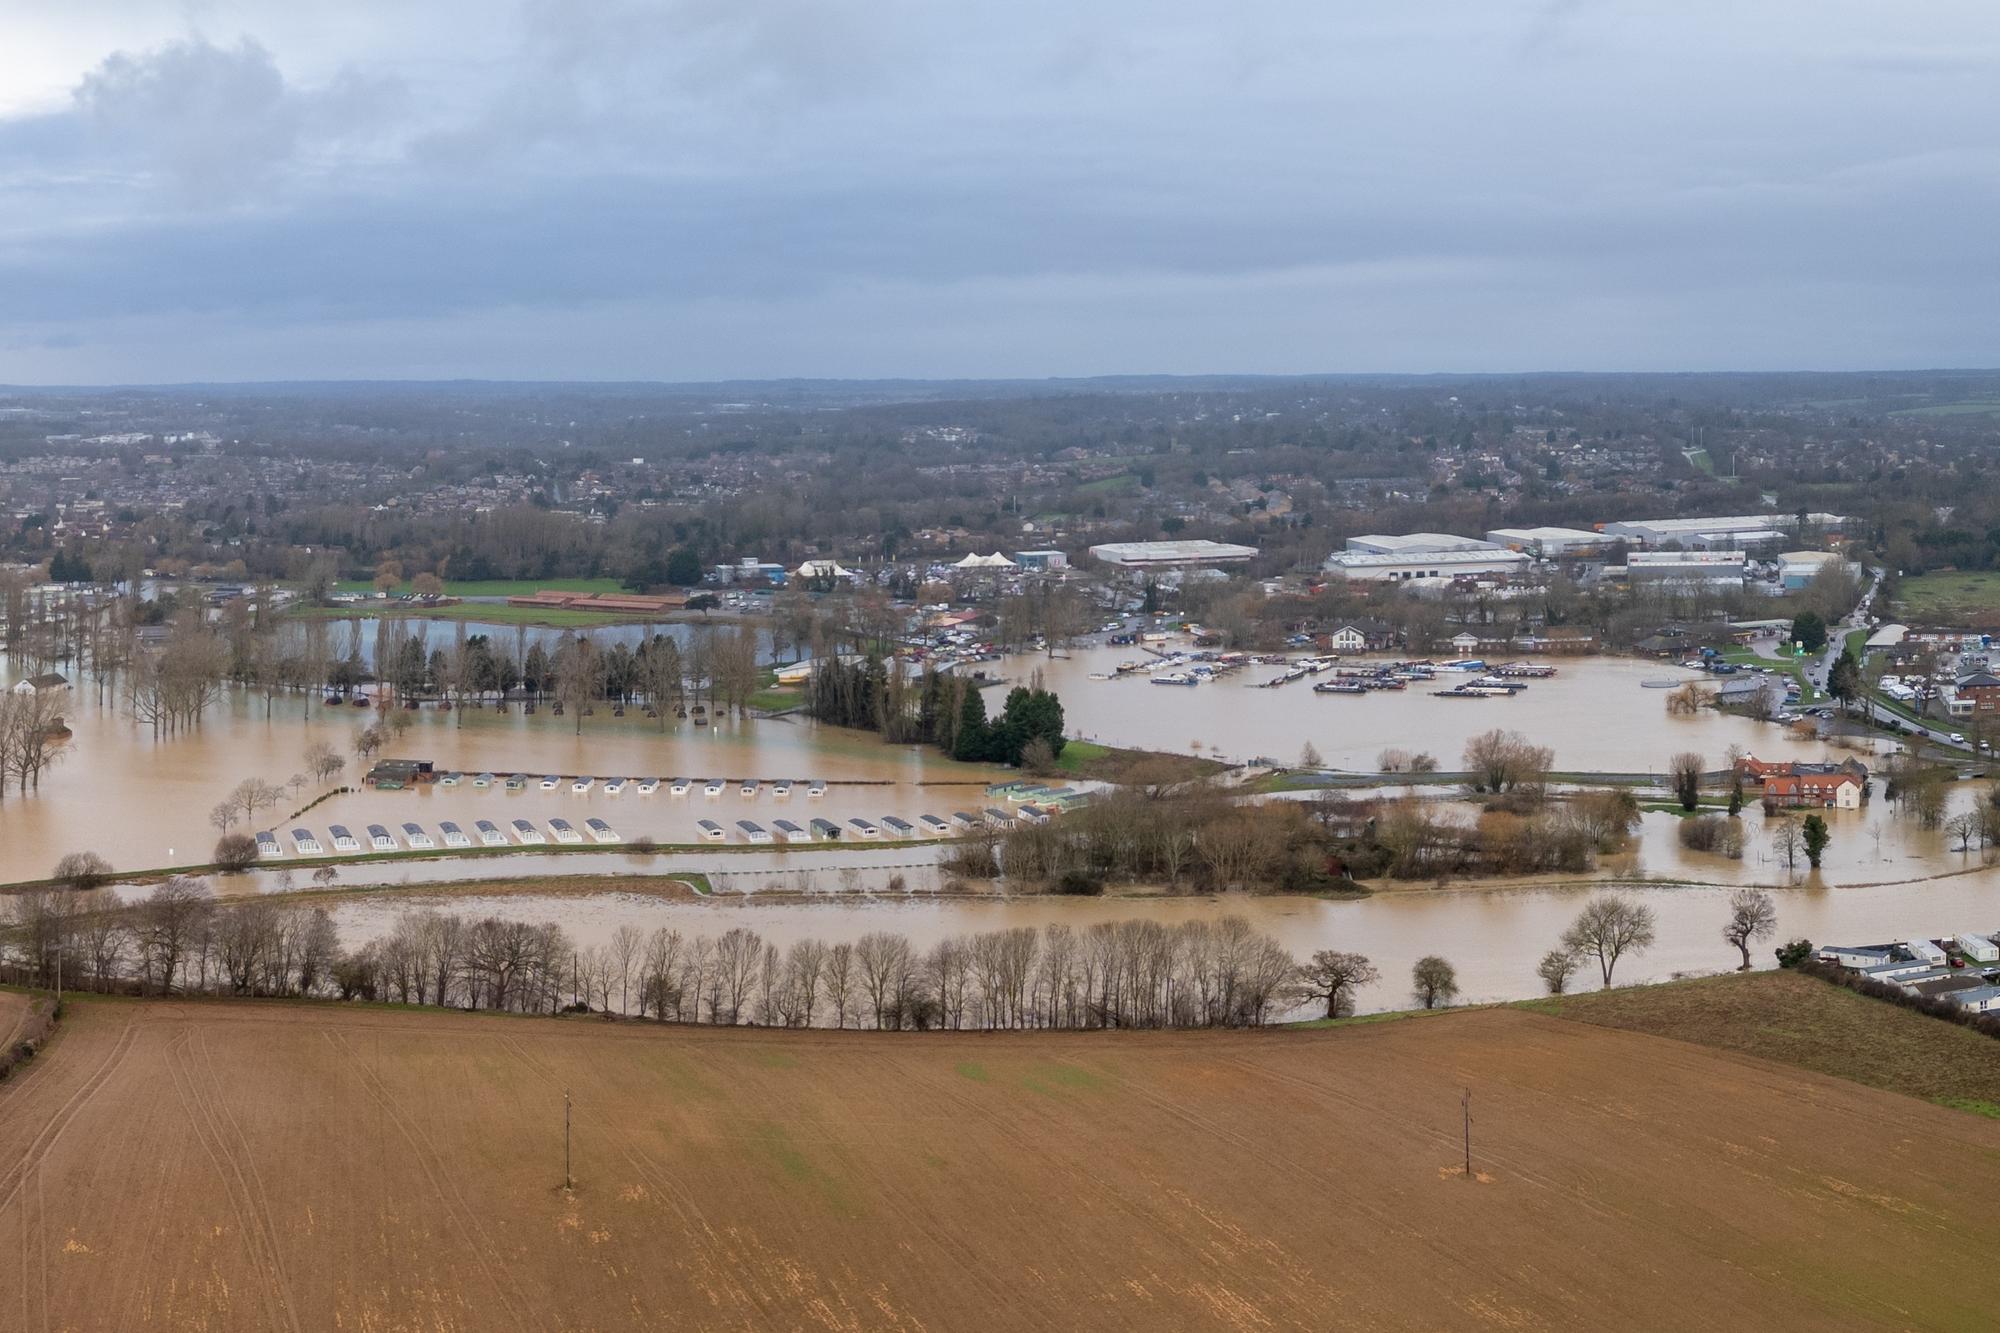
pixel 143 802
pixel 1595 714
pixel 1492 936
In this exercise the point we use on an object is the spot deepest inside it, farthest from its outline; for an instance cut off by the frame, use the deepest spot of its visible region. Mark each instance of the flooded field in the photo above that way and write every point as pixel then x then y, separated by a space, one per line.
pixel 1492 936
pixel 143 802
pixel 357 635
pixel 1596 715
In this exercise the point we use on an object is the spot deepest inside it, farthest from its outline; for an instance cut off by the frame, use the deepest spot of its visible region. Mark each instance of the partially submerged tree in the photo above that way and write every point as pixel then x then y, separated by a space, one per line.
pixel 1434 981
pixel 1684 774
pixel 1752 916
pixel 1608 928
pixel 81 870
pixel 1815 835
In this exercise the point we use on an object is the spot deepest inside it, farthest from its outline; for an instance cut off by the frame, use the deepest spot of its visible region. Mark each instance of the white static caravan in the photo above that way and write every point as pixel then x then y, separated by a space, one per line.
pixel 710 830
pixel 753 831
pixel 305 842
pixel 267 845
pixel 899 828
pixel 527 833
pixel 490 834
pixel 454 836
pixel 564 831
pixel 602 831
pixel 380 838
pixel 864 828
pixel 1854 955
pixel 825 830
pixel 1979 999
pixel 413 833
pixel 789 831
pixel 1979 948
pixel 934 826
pixel 1925 951
pixel 343 841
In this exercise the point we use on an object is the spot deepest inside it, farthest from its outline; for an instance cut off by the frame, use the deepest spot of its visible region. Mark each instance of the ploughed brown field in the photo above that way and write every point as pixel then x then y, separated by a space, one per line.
pixel 251 1166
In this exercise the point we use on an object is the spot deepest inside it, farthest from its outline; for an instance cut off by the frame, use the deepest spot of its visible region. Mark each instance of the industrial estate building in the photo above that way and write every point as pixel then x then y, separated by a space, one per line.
pixel 1547 543
pixel 1685 567
pixel 1170 555
pixel 1735 532
pixel 1482 561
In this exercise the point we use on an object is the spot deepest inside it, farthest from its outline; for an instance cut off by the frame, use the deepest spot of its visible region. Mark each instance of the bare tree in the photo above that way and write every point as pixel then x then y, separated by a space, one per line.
pixel 324 762
pixel 81 870
pixel 1752 916
pixel 1433 981
pixel 1334 977
pixel 1504 760
pixel 1556 968
pixel 1609 927
pixel 1787 840
pixel 1684 772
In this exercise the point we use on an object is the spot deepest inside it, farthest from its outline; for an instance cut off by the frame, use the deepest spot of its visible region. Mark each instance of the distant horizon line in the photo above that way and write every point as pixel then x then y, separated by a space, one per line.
pixel 1025 381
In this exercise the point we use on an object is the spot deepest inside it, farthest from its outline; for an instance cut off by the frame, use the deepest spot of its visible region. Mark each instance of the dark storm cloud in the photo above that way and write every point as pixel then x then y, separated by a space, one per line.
pixel 757 187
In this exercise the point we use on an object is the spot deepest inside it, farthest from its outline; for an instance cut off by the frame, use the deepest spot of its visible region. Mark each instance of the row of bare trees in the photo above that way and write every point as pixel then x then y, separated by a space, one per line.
pixel 1132 973
pixel 32 737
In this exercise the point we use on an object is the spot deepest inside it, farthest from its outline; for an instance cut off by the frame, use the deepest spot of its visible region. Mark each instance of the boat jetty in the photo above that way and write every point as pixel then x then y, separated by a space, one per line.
pixel 1367 680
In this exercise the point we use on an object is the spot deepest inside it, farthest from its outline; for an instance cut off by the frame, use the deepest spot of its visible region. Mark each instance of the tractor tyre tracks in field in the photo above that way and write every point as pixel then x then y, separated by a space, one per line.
pixel 22 1181
pixel 720 1258
pixel 492 1263
pixel 235 1167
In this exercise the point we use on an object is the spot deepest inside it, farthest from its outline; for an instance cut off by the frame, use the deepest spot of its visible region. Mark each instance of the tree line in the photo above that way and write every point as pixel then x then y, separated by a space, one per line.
pixel 937 708
pixel 1131 973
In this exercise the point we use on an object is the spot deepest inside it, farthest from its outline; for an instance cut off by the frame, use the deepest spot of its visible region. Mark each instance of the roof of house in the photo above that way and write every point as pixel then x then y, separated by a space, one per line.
pixel 48 680
pixel 1975 995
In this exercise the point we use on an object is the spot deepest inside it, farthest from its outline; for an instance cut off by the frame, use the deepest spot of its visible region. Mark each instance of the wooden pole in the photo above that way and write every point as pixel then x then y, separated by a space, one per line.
pixel 1466 1103
pixel 569 1179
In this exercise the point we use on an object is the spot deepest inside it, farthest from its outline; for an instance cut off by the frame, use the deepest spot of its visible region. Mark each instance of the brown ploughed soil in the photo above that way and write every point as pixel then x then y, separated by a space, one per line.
pixel 265 1166
pixel 13 1018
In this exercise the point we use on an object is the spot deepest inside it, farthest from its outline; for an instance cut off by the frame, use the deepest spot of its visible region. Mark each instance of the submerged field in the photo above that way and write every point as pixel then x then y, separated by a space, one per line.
pixel 252 1166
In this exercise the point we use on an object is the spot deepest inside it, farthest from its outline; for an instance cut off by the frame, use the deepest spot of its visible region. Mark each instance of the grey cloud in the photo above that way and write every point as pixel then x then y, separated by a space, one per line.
pixel 216 121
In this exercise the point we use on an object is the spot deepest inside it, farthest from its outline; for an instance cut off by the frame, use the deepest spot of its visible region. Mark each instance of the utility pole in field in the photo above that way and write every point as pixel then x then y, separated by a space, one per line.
pixel 1466 1105
pixel 569 1179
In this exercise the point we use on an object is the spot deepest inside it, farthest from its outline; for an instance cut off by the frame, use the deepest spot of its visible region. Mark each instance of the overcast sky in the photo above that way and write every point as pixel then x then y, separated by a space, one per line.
pixel 697 189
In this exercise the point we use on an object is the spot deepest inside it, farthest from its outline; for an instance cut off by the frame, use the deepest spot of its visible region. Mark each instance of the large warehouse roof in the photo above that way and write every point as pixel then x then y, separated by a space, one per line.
pixel 1168 555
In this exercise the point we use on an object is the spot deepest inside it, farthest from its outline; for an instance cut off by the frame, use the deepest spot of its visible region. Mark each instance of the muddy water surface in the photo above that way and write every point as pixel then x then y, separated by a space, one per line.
pixel 1595 714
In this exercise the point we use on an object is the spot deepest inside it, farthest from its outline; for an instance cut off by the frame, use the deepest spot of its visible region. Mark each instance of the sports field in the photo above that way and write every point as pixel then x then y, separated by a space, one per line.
pixel 261 1166
pixel 1951 597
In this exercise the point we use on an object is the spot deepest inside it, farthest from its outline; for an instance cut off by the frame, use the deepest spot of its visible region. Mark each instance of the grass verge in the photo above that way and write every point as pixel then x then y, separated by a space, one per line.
pixel 1797 1020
